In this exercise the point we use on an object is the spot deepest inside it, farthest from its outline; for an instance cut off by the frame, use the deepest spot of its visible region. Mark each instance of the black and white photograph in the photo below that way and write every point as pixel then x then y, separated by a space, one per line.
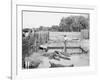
pixel 52 39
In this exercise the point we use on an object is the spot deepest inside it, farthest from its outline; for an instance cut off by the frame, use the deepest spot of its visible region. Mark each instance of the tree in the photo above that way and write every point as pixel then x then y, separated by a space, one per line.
pixel 54 28
pixel 41 28
pixel 27 43
pixel 65 24
pixel 83 22
pixel 74 23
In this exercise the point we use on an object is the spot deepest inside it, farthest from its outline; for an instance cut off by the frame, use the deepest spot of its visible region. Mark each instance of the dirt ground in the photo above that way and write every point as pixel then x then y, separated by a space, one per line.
pixel 78 60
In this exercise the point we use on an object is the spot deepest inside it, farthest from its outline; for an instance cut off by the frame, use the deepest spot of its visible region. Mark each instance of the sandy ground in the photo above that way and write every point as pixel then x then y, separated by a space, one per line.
pixel 78 60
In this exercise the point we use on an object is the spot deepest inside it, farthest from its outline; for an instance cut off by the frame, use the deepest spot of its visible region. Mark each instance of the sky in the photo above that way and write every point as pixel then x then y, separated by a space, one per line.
pixel 37 19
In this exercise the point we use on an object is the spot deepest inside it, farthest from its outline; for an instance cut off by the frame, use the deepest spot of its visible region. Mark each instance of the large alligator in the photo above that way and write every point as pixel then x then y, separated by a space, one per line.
pixel 59 65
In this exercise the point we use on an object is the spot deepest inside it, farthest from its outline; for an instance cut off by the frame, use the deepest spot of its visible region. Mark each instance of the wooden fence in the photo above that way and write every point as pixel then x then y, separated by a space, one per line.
pixel 85 34
pixel 39 38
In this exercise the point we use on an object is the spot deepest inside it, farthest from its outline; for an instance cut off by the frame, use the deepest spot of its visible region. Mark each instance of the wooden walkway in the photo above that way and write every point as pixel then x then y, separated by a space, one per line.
pixel 83 51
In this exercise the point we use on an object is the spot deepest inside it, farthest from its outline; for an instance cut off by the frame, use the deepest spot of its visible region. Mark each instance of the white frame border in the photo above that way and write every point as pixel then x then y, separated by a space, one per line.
pixel 52 72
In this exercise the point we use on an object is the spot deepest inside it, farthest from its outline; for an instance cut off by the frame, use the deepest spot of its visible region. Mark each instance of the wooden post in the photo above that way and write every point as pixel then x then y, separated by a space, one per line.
pixel 27 64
